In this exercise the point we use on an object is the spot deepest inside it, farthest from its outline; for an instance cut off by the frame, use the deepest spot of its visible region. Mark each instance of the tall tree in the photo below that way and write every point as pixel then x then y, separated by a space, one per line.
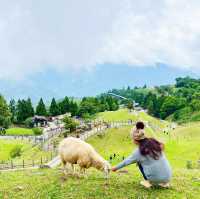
pixel 73 108
pixel 12 107
pixel 64 105
pixel 41 109
pixel 54 108
pixel 5 115
pixel 24 110
pixel 30 109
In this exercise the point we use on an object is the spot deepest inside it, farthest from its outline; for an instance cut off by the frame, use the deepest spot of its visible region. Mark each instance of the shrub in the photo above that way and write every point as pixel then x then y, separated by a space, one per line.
pixel 189 164
pixel 70 124
pixel 2 131
pixel 182 114
pixel 5 122
pixel 37 131
pixel 66 133
pixel 16 151
pixel 29 122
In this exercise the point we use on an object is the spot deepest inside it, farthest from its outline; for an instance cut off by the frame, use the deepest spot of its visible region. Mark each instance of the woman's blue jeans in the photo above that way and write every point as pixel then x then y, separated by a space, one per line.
pixel 142 171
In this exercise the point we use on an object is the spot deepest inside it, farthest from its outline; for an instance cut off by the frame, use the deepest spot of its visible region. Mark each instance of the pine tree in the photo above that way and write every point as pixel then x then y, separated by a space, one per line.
pixel 30 109
pixel 64 105
pixel 12 107
pixel 54 108
pixel 5 115
pixel 73 108
pixel 41 109
pixel 24 110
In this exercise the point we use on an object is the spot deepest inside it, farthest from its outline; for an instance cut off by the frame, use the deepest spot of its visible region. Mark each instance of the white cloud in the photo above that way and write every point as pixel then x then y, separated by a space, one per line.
pixel 149 32
pixel 73 34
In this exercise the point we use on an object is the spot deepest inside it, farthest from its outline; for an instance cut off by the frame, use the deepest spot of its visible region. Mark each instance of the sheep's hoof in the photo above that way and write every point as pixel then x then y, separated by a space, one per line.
pixel 63 178
pixel 106 184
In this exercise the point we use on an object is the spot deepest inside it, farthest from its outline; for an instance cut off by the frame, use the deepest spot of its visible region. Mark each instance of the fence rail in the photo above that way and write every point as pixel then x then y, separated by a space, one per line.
pixel 20 164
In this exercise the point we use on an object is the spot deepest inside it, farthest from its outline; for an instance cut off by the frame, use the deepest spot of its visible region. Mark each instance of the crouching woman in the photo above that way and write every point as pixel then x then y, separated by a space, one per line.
pixel 151 161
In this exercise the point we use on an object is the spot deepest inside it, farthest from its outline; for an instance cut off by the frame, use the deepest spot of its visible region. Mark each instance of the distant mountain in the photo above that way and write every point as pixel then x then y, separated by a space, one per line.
pixel 104 77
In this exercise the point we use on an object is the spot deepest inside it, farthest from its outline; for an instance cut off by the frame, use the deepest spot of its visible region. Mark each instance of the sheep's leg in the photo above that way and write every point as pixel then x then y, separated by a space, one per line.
pixel 73 168
pixel 83 172
pixel 65 168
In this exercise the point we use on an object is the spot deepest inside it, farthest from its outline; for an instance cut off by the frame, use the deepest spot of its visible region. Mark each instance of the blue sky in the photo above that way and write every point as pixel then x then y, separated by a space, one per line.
pixel 84 47
pixel 52 83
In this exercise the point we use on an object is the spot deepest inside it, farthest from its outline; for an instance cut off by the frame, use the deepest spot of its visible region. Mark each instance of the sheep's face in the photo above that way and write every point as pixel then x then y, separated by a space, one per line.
pixel 107 169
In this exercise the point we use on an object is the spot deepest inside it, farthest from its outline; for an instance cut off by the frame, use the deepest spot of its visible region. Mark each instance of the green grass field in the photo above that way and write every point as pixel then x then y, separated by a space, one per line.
pixel 6 146
pixel 121 114
pixel 181 145
pixel 125 114
pixel 19 131
pixel 28 152
pixel 49 184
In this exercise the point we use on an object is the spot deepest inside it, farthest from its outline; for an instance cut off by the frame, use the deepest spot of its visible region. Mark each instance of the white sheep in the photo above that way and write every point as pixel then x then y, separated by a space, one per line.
pixel 75 151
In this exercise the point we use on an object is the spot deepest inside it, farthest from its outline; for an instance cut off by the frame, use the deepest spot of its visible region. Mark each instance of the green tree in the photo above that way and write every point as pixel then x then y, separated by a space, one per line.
pixel 41 109
pixel 130 105
pixel 24 110
pixel 170 105
pixel 5 114
pixel 64 105
pixel 29 107
pixel 54 108
pixel 73 108
pixel 195 105
pixel 12 107
pixel 29 123
pixel 70 124
pixel 150 107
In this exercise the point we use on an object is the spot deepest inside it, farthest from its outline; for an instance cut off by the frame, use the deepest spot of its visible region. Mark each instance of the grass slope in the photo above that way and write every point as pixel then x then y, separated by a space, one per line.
pixel 29 153
pixel 121 114
pixel 6 146
pixel 19 131
pixel 48 184
pixel 125 114
pixel 182 144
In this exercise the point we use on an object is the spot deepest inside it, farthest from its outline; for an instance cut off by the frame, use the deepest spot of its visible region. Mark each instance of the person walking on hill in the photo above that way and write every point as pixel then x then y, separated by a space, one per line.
pixel 150 159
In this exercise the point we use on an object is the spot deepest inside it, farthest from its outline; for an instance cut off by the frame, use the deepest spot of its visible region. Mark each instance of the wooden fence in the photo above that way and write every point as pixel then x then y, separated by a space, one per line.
pixel 36 139
pixel 20 164
pixel 39 162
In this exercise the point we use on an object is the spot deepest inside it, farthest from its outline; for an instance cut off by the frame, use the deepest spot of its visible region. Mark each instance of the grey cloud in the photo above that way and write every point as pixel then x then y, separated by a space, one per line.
pixel 72 34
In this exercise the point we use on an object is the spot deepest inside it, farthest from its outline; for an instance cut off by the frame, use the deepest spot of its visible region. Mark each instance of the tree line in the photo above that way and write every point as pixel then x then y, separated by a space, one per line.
pixel 18 112
pixel 179 102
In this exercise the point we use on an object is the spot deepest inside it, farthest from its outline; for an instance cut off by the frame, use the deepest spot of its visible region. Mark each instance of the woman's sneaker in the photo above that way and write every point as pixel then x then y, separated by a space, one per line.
pixel 146 184
pixel 165 185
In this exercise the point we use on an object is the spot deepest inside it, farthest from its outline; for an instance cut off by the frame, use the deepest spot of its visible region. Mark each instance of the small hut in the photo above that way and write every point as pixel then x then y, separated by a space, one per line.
pixel 40 120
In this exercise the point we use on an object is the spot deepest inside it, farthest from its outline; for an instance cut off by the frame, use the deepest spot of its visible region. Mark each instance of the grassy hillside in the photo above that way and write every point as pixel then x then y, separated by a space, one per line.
pixel 125 114
pixel 181 146
pixel 49 184
pixel 28 152
pixel 6 146
pixel 19 131
pixel 121 114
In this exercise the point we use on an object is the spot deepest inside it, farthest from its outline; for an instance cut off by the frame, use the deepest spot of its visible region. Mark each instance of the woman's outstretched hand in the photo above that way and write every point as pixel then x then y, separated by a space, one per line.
pixel 114 169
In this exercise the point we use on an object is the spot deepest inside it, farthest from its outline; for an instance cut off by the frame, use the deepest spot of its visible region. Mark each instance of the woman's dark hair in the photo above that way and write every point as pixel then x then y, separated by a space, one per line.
pixel 151 147
pixel 140 125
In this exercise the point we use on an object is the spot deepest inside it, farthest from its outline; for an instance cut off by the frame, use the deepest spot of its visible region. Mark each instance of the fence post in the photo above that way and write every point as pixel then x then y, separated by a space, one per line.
pixel 41 161
pixel 23 163
pixel 33 163
pixel 12 166
pixel 198 164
